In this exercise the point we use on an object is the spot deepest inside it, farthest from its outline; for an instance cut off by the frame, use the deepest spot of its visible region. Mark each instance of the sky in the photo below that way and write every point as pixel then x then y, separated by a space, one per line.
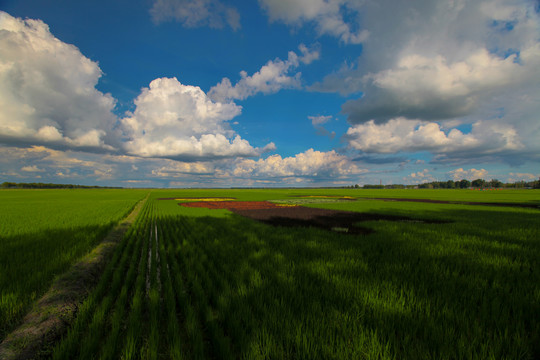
pixel 269 93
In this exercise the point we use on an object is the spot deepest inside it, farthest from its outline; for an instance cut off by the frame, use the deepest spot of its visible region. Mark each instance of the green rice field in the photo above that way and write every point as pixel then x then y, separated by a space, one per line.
pixel 42 232
pixel 425 281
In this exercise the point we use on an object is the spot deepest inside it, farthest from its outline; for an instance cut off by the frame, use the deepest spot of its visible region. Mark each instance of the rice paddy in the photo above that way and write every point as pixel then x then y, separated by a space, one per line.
pixel 42 232
pixel 428 280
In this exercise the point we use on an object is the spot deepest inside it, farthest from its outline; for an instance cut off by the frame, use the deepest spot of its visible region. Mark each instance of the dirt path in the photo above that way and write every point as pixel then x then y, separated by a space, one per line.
pixel 53 313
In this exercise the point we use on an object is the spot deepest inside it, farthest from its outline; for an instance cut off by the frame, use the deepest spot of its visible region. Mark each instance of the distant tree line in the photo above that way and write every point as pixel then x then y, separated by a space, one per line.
pixel 12 185
pixel 461 184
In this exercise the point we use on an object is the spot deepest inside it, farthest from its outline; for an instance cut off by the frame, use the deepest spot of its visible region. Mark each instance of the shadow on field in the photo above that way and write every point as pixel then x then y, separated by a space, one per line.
pixel 24 274
pixel 346 222
pixel 465 289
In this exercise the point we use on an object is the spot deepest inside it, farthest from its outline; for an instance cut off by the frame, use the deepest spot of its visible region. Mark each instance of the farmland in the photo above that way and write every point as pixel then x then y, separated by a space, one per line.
pixel 414 280
pixel 42 232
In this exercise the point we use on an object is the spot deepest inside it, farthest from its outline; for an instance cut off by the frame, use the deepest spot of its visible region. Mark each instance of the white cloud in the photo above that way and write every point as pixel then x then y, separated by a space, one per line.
pixel 406 135
pixel 32 168
pixel 431 88
pixel 419 177
pixel 50 163
pixel 327 15
pixel 454 30
pixel 175 169
pixel 420 174
pixel 47 90
pixel 319 120
pixel 471 174
pixel 196 13
pixel 48 97
pixel 310 164
pixel 271 78
pixel 452 61
pixel 179 121
pixel 515 177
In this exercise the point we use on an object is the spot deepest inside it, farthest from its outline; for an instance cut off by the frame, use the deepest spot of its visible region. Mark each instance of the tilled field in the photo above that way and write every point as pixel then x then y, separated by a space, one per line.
pixel 298 216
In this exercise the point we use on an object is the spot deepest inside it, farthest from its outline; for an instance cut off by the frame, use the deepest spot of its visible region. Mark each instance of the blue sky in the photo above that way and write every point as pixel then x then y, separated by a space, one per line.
pixel 189 93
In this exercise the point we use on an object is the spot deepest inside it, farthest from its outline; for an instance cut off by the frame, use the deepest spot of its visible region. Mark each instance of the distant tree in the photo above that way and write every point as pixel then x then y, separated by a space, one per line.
pixel 495 183
pixel 395 186
pixel 12 185
pixel 368 186
pixel 464 184
pixel 478 183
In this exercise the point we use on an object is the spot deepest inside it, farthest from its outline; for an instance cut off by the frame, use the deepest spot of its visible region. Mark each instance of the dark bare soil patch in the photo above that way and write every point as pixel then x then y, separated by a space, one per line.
pixel 300 216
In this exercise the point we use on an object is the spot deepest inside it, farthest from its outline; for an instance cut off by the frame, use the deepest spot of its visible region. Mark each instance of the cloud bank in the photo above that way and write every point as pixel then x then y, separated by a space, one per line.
pixel 328 17
pixel 47 91
pixel 48 96
pixel 443 63
pixel 471 174
pixel 403 135
pixel 180 122
pixel 311 163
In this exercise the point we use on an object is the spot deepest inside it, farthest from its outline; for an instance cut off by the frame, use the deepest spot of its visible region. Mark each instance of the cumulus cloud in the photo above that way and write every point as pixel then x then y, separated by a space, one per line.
pixel 515 177
pixel 48 97
pixel 32 168
pixel 181 122
pixel 328 16
pixel 271 78
pixel 309 164
pixel 432 89
pixel 49 165
pixel 46 163
pixel 181 169
pixel 453 30
pixel 452 62
pixel 318 121
pixel 196 13
pixel 403 135
pixel 47 91
pixel 420 177
pixel 471 174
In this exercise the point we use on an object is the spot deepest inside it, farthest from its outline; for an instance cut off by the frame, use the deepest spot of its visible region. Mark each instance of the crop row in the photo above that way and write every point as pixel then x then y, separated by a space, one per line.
pixel 42 233
pixel 157 298
pixel 184 287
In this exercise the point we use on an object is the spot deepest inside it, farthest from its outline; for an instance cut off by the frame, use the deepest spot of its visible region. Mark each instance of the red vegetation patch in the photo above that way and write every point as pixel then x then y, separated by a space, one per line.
pixel 232 205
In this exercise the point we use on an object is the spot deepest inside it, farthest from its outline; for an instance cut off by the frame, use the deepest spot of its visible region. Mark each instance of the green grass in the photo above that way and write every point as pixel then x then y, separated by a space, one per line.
pixel 506 195
pixel 211 284
pixel 43 232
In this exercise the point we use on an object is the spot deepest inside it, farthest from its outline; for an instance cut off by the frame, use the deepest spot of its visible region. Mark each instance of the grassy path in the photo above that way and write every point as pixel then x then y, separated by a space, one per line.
pixel 50 317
